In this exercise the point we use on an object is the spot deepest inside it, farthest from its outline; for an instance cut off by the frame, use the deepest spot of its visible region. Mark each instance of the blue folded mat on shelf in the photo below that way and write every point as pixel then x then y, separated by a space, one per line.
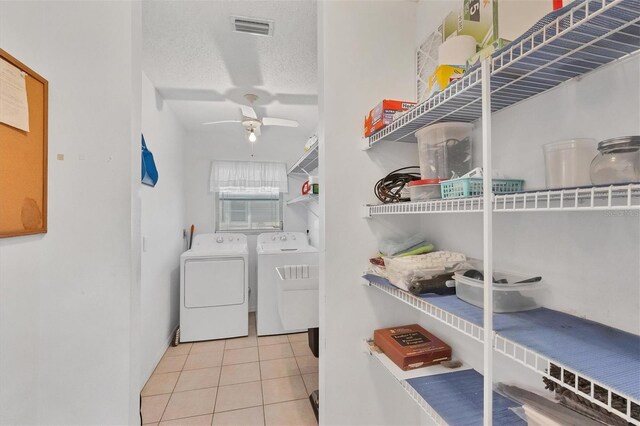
pixel 457 397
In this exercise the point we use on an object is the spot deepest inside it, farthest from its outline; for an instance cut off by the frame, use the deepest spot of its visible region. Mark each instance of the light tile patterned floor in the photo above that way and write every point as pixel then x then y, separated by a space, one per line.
pixel 245 381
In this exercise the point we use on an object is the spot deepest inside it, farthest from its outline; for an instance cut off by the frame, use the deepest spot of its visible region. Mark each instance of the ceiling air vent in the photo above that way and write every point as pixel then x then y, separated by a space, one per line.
pixel 256 26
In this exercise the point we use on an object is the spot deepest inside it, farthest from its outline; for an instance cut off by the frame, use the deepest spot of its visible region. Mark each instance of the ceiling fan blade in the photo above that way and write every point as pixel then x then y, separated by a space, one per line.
pixel 270 121
pixel 220 122
pixel 248 111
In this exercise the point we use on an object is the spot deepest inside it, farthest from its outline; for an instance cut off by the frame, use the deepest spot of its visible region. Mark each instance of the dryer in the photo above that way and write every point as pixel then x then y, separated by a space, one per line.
pixel 274 250
pixel 214 290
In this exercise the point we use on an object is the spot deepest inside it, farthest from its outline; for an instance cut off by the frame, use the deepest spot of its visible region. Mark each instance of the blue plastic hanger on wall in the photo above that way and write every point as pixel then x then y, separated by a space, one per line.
pixel 149 170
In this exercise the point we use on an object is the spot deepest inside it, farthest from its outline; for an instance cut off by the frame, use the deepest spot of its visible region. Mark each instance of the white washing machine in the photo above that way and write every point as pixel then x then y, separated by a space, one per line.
pixel 278 249
pixel 214 290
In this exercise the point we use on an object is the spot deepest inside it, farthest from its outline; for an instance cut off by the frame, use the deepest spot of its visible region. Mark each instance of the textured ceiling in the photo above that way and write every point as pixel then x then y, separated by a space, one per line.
pixel 202 68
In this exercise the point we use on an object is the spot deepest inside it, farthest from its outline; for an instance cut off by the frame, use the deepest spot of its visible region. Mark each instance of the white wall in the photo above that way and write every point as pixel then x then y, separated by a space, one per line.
pixel 66 311
pixel 163 222
pixel 366 52
pixel 202 147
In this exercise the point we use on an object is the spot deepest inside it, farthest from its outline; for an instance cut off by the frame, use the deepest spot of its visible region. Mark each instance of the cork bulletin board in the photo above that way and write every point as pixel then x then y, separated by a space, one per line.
pixel 23 161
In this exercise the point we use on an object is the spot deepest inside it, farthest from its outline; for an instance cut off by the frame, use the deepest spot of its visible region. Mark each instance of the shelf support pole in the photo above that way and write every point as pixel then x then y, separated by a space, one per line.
pixel 487 237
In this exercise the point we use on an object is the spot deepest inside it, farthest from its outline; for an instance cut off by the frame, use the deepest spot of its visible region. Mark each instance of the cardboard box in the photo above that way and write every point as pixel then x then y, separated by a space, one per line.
pixel 487 21
pixel 382 115
pixel 411 346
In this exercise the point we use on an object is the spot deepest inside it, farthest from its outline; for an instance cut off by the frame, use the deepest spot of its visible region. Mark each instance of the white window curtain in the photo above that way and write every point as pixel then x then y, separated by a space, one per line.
pixel 248 176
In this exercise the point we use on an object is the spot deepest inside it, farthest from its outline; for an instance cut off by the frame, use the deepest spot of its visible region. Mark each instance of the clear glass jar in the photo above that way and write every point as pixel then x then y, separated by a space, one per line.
pixel 618 161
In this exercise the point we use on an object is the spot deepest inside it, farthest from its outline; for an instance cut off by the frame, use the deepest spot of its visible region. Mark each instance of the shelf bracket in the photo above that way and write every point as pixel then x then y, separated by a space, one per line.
pixel 366 212
pixel 365 145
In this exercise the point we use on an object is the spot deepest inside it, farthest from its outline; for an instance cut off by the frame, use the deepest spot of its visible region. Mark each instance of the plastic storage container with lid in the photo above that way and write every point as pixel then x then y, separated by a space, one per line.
pixel 444 148
pixel 567 162
pixel 508 297
pixel 618 161
pixel 426 189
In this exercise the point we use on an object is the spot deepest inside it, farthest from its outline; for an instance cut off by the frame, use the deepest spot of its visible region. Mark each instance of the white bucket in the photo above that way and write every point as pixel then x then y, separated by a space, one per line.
pixel 567 162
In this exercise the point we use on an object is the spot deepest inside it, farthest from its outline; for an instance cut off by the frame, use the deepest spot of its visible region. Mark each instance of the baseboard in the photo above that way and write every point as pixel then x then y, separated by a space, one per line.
pixel 158 357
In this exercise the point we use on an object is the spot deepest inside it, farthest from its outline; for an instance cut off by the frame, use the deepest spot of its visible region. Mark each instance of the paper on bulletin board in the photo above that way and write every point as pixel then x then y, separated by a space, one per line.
pixel 14 107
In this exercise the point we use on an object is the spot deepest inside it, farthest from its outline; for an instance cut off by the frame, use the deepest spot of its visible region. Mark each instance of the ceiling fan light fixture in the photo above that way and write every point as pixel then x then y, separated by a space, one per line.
pixel 252 136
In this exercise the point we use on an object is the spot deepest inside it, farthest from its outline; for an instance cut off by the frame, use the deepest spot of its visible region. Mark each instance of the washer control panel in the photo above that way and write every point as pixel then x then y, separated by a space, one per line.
pixel 221 240
pixel 289 241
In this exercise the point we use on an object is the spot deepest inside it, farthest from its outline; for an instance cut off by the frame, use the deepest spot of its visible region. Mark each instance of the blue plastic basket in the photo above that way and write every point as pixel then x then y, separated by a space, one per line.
pixel 472 187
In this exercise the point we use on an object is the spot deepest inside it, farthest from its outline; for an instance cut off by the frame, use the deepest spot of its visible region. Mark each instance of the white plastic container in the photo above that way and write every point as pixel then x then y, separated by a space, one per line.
pixel 567 162
pixel 423 190
pixel 506 297
pixel 444 148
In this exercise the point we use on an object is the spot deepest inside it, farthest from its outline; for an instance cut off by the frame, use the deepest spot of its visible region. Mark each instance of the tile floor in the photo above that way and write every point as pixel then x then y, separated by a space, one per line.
pixel 245 381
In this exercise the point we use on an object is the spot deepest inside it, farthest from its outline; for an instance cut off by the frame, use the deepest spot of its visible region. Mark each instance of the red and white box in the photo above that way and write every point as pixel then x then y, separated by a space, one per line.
pixel 382 115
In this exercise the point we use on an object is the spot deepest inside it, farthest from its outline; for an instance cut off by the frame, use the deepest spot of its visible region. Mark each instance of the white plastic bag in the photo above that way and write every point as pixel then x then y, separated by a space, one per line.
pixel 403 271
pixel 392 247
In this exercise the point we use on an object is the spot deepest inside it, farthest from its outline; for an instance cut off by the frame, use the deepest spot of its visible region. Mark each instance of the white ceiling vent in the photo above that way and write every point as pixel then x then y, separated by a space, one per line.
pixel 256 26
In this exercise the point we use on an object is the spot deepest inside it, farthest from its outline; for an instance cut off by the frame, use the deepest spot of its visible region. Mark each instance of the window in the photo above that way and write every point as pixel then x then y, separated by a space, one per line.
pixel 248 211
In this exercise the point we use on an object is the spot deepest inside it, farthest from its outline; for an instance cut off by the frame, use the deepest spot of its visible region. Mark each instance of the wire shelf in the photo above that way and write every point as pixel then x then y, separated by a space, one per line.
pixel 461 205
pixel 614 198
pixel 544 365
pixel 307 163
pixel 423 404
pixel 458 397
pixel 565 44
pixel 303 199
pixel 516 335
pixel 402 376
pixel 462 381
pixel 466 327
pixel 458 102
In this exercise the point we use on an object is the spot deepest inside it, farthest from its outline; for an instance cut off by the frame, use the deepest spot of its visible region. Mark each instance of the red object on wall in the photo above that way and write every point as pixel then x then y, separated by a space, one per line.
pixel 557 4
pixel 306 188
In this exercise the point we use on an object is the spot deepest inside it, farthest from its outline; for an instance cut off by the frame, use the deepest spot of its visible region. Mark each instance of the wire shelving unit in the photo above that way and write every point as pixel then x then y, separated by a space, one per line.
pixel 447 396
pixel 619 198
pixel 402 376
pixel 305 164
pixel 601 369
pixel 307 198
pixel 564 45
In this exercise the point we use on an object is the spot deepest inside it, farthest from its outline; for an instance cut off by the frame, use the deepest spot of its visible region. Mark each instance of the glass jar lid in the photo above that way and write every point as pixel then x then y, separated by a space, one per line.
pixel 620 144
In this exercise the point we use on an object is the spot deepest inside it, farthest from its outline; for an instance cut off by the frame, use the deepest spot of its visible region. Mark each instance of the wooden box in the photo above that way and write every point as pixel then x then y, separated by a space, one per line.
pixel 411 346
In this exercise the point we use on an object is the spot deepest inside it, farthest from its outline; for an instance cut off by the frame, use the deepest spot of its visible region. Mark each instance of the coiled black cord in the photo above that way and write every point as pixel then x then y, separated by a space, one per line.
pixel 389 188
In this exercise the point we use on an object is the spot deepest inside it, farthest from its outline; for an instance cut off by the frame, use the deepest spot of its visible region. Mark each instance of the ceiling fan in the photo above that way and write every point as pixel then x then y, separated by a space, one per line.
pixel 251 122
